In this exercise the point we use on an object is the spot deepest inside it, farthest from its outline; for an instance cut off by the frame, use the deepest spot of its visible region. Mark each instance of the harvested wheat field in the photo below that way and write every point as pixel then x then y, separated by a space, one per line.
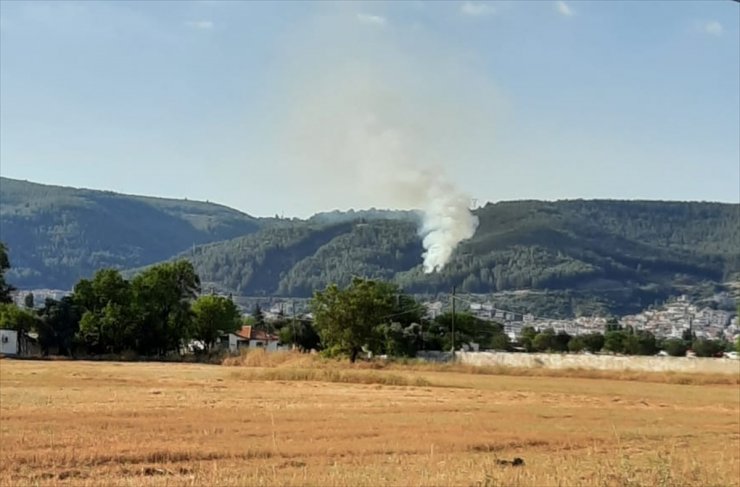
pixel 167 424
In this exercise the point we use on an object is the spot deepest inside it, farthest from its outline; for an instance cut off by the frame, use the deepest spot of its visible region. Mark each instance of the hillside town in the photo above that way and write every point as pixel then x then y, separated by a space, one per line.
pixel 710 319
pixel 671 320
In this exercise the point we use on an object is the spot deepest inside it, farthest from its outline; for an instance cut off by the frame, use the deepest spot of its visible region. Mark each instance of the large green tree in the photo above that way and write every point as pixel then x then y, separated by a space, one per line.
pixel 576 344
pixel 107 324
pixel 399 340
pixel 14 318
pixel 615 341
pixel 641 342
pixel 707 348
pixel 675 347
pixel 593 342
pixel 259 318
pixel 162 297
pixel 544 340
pixel 301 333
pixel 212 317
pixel 527 337
pixel 348 319
pixel 60 320
pixel 5 288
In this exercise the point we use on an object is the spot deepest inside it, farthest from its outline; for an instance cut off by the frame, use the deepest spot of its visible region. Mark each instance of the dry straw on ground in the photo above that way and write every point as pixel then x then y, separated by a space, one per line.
pixel 300 420
pixel 295 360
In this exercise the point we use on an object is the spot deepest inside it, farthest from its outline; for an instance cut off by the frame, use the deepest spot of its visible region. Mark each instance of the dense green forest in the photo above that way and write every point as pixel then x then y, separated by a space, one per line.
pixel 573 257
pixel 563 258
pixel 57 235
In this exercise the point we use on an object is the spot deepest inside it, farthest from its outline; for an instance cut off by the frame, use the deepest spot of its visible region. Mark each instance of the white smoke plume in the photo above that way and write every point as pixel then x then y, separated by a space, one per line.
pixel 374 117
pixel 447 222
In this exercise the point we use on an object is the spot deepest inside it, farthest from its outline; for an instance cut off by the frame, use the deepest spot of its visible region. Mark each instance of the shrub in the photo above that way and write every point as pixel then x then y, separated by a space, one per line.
pixel 614 341
pixel 594 342
pixel 641 343
pixel 560 343
pixel 576 344
pixel 544 340
pixel 707 348
pixel 675 347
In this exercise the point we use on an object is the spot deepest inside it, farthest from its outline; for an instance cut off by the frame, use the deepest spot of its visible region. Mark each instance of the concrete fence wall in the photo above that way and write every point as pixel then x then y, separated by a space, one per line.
pixel 597 362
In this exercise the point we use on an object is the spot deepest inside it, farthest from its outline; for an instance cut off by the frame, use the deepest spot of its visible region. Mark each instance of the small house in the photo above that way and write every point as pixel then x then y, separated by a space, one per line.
pixel 249 337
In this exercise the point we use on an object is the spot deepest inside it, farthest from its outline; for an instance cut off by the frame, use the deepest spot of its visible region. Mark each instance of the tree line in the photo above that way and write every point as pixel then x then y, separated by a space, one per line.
pixel 155 313
pixel 621 340
pixel 161 311
pixel 376 317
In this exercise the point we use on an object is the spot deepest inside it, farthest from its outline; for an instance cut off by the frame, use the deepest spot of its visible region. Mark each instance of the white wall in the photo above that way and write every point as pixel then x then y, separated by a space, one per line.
pixel 236 343
pixel 583 361
pixel 233 339
pixel 272 346
pixel 8 342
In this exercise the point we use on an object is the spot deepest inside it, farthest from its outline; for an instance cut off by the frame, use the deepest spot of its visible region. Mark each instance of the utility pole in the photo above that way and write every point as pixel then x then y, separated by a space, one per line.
pixel 453 323
pixel 292 324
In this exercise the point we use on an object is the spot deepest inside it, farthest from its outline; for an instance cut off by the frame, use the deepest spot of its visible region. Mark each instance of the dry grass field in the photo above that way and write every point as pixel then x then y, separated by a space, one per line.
pixel 168 424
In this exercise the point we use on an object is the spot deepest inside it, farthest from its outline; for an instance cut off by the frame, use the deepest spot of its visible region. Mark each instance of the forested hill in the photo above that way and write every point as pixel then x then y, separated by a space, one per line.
pixel 58 234
pixel 618 251
pixel 625 250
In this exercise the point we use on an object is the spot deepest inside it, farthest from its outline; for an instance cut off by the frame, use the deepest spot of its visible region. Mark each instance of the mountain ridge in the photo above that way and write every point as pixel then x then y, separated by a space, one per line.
pixel 642 249
pixel 58 234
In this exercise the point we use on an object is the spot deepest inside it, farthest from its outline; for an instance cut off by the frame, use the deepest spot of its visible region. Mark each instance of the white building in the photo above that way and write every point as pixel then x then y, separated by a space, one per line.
pixel 248 337
pixel 8 342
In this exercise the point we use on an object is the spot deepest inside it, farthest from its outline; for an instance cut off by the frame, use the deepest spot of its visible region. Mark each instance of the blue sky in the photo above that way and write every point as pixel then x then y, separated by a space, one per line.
pixel 548 100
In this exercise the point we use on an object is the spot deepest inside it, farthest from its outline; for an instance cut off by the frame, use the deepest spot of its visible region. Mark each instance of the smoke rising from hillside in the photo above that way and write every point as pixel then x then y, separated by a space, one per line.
pixel 377 116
